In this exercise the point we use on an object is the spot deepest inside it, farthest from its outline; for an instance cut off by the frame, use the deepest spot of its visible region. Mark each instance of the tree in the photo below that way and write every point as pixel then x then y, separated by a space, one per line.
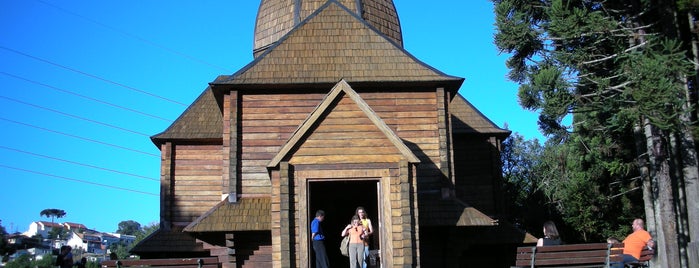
pixel 521 162
pixel 58 233
pixel 52 213
pixel 129 227
pixel 147 230
pixel 22 261
pixel 619 70
pixel 4 248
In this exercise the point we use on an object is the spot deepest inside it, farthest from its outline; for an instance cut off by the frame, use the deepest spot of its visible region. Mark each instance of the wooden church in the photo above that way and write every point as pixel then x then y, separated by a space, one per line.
pixel 332 114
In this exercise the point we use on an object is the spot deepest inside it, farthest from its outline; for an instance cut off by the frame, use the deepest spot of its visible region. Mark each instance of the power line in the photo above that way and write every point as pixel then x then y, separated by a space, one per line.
pixel 93 76
pixel 74 116
pixel 78 180
pixel 85 97
pixel 78 163
pixel 78 137
pixel 136 37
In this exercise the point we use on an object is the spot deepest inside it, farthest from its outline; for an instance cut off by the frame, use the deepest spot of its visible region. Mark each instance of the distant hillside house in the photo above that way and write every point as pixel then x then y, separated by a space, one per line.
pixel 87 242
pixel 76 227
pixel 332 113
pixel 42 228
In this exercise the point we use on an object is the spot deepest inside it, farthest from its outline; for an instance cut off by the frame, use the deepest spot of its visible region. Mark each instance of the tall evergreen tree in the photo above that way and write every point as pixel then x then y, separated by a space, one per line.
pixel 53 213
pixel 619 71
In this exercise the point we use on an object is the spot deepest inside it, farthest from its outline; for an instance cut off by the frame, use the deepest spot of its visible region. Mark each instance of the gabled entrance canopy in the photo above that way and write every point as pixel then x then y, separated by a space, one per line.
pixel 314 117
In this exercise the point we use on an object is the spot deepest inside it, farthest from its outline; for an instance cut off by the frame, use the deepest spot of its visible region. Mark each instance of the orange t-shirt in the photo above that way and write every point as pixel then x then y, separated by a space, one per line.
pixel 355 233
pixel 634 243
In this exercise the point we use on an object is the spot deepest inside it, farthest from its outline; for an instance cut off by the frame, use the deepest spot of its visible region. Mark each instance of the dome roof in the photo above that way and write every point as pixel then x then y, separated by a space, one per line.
pixel 275 18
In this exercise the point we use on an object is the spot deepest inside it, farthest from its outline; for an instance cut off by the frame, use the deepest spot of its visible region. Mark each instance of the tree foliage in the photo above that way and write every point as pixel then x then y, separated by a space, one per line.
pixel 129 227
pixel 58 233
pixel 4 248
pixel 25 260
pixel 52 213
pixel 611 81
pixel 147 230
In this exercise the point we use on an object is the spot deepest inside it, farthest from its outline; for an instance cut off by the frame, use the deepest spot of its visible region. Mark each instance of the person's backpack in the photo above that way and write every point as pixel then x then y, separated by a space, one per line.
pixel 344 246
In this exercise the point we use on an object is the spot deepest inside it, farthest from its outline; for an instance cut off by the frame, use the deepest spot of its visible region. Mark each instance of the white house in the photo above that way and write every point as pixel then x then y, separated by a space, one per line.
pixel 75 227
pixel 41 227
pixel 91 243
pixel 120 238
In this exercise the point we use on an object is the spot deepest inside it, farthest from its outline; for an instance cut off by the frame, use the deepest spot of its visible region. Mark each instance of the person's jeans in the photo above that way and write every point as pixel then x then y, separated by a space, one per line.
pixel 366 256
pixel 626 258
pixel 356 253
pixel 321 255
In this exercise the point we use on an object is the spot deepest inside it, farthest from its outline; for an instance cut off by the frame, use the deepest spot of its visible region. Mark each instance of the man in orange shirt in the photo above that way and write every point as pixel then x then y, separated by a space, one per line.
pixel 635 242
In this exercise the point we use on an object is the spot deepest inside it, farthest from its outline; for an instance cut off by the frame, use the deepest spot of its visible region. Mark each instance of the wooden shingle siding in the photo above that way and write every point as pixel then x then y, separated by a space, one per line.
pixel 197 180
pixel 275 19
pixel 332 45
pixel 383 16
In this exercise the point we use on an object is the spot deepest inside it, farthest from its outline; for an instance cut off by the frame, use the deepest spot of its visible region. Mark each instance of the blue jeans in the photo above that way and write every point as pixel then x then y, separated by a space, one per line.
pixel 366 257
pixel 626 258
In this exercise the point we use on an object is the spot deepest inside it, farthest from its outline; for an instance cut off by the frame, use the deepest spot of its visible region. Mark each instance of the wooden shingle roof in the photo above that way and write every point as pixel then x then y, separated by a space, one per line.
pixel 332 44
pixel 248 214
pixel 202 120
pixel 276 18
pixel 435 211
pixel 467 119
pixel 173 240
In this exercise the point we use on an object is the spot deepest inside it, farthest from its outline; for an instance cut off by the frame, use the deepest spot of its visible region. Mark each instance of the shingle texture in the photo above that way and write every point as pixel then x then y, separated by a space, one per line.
pixel 467 119
pixel 248 214
pixel 331 45
pixel 448 212
pixel 171 240
pixel 276 18
pixel 201 121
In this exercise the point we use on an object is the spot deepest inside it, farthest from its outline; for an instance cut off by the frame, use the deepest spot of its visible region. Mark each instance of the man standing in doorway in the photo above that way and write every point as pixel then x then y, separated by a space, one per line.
pixel 318 238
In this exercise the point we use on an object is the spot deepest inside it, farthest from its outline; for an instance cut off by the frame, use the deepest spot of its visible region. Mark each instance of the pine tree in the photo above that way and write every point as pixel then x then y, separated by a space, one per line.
pixel 620 72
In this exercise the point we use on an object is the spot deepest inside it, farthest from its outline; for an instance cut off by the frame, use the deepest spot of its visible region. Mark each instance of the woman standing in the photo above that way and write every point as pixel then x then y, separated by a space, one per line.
pixel 368 230
pixel 356 246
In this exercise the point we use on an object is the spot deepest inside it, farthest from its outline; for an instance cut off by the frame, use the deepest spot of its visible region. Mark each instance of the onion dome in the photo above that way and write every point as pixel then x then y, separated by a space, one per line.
pixel 275 18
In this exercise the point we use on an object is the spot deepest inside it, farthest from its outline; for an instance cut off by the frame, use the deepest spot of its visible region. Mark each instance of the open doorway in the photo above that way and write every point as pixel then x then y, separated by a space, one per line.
pixel 339 199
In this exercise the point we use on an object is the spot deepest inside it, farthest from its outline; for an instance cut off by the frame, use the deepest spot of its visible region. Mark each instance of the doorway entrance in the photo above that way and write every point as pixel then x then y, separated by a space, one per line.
pixel 339 199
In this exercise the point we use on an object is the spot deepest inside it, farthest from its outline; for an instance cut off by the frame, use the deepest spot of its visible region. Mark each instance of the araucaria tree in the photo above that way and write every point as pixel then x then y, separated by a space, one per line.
pixel 53 213
pixel 613 82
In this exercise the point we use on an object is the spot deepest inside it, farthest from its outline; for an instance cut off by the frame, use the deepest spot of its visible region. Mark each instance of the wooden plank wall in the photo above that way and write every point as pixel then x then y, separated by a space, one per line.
pixel 413 116
pixel 269 120
pixel 346 135
pixel 474 172
pixel 197 181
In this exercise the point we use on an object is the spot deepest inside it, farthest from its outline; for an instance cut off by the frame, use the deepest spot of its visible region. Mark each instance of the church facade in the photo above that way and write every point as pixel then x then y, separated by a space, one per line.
pixel 332 114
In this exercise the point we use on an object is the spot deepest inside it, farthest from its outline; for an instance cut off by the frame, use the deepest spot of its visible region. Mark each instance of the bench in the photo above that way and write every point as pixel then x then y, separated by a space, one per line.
pixel 646 255
pixel 204 262
pixel 573 255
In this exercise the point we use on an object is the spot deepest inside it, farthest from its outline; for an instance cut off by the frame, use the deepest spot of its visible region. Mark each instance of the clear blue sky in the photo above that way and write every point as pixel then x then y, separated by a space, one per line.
pixel 84 84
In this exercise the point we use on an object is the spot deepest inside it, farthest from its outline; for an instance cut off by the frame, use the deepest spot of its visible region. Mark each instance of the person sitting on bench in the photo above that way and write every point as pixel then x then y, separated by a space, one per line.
pixel 551 237
pixel 635 242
